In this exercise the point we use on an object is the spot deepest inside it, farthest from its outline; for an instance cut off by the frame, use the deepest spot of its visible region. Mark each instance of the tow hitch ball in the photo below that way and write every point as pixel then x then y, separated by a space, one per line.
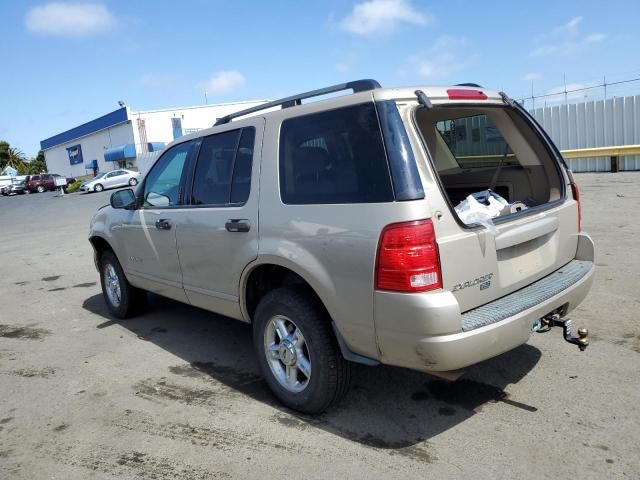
pixel 554 320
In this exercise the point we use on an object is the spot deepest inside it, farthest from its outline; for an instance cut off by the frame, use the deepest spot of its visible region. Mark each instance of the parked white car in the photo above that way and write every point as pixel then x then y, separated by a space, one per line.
pixel 113 179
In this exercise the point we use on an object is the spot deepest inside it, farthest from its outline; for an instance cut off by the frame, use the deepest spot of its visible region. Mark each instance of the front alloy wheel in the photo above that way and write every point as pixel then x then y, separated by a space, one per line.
pixel 133 182
pixel 123 299
pixel 98 187
pixel 112 285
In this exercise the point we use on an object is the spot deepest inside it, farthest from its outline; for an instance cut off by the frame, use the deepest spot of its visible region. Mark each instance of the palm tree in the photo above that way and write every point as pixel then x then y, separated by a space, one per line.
pixel 14 158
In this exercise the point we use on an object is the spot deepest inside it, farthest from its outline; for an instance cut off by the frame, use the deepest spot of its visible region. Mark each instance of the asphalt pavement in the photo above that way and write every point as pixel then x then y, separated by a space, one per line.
pixel 176 392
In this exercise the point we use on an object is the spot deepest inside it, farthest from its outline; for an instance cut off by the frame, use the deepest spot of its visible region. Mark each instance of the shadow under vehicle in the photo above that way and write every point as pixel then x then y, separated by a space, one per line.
pixel 386 407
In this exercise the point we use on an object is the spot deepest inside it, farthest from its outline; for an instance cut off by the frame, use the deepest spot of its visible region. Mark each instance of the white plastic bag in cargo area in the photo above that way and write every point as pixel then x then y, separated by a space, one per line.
pixel 471 211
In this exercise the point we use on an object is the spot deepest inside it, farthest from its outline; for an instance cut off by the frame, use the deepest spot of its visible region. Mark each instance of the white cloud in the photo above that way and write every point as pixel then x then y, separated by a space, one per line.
pixel 570 25
pixel 566 40
pixel 595 38
pixel 223 82
pixel 348 60
pixel 568 47
pixel 530 77
pixel 377 16
pixel 69 19
pixel 442 60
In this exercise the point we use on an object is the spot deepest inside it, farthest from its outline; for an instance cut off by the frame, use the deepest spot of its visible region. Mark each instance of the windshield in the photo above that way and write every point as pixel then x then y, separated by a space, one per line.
pixel 99 176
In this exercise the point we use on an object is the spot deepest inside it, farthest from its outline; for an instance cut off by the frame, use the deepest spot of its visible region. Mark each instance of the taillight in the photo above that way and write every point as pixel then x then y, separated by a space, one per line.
pixel 576 196
pixel 408 259
pixel 464 94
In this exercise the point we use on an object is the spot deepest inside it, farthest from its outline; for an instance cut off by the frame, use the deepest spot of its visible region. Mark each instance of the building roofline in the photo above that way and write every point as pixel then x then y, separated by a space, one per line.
pixel 210 105
pixel 105 121
pixel 117 117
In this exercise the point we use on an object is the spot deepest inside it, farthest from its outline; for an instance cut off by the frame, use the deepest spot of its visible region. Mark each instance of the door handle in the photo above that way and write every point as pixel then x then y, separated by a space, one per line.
pixel 163 224
pixel 237 225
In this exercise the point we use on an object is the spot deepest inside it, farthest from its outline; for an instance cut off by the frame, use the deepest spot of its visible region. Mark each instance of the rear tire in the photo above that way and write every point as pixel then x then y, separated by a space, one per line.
pixel 133 182
pixel 292 331
pixel 122 299
pixel 98 187
pixel 40 189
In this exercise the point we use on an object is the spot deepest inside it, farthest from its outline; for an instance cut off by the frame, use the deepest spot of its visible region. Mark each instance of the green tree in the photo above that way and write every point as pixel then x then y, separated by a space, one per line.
pixel 4 152
pixel 15 159
pixel 38 164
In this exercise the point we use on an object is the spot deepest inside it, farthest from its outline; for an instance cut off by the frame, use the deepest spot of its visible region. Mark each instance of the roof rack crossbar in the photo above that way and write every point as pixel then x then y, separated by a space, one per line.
pixel 294 100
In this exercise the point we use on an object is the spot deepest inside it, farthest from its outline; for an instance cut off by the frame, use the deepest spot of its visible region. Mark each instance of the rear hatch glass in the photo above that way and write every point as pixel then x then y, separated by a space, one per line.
pixel 476 150
pixel 495 171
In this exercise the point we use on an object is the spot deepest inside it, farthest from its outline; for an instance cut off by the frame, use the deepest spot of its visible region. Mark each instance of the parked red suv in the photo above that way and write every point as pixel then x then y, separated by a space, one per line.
pixel 43 182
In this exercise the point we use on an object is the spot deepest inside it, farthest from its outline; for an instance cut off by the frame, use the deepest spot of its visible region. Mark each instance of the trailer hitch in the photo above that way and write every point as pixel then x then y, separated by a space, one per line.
pixel 553 320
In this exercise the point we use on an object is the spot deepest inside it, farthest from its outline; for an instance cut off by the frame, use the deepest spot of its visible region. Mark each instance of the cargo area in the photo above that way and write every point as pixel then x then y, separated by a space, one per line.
pixel 489 160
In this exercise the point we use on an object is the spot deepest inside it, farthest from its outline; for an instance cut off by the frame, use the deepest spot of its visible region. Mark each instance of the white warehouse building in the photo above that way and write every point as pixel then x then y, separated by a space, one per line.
pixel 124 138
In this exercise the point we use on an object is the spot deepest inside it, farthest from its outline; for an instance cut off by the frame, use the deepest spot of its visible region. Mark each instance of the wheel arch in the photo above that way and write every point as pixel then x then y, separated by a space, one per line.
pixel 270 273
pixel 267 275
pixel 100 245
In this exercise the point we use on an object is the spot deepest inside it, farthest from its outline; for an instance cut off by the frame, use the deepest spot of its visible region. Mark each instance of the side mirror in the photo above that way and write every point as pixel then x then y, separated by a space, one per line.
pixel 124 199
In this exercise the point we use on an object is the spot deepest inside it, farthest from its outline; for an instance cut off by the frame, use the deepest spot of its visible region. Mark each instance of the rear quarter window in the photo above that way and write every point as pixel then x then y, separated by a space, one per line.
pixel 335 156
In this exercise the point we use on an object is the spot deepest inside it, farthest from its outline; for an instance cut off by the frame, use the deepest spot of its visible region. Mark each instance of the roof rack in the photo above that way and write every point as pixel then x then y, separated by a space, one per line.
pixel 292 101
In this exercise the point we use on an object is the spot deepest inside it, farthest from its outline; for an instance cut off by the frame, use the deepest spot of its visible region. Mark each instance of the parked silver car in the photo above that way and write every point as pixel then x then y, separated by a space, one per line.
pixel 429 229
pixel 112 179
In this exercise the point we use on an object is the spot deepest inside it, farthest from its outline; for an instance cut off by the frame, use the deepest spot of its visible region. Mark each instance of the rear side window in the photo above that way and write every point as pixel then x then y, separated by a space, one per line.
pixel 335 156
pixel 241 184
pixel 223 171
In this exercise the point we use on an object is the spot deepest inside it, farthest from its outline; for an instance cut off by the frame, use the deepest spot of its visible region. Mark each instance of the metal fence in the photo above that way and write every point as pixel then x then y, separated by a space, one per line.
pixel 599 123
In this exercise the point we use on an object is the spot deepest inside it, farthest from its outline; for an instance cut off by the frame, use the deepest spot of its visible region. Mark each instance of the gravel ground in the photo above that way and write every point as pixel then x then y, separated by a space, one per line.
pixel 176 393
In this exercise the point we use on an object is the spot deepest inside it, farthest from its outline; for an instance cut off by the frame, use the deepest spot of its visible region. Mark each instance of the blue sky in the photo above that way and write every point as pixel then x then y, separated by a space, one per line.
pixel 65 63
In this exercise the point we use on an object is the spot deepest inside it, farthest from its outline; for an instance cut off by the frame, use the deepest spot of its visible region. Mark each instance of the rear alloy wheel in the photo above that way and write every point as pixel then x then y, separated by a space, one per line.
pixel 133 182
pixel 287 353
pixel 98 187
pixel 122 299
pixel 40 189
pixel 297 351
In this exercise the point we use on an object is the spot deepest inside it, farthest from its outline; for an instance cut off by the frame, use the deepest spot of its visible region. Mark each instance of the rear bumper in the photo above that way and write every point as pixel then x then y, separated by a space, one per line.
pixel 426 332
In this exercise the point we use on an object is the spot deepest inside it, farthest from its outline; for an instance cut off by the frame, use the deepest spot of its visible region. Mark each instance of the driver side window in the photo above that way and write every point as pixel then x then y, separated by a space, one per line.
pixel 162 187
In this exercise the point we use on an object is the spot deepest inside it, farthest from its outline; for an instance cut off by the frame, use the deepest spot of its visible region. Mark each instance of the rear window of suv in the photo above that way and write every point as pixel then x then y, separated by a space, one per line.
pixel 334 156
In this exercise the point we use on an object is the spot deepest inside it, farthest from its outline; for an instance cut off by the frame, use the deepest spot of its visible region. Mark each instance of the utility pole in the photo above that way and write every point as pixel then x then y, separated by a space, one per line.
pixel 533 99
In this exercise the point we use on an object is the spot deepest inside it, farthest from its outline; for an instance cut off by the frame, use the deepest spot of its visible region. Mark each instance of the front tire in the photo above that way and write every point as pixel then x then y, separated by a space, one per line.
pixel 133 182
pixel 297 351
pixel 98 188
pixel 122 299
pixel 40 189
